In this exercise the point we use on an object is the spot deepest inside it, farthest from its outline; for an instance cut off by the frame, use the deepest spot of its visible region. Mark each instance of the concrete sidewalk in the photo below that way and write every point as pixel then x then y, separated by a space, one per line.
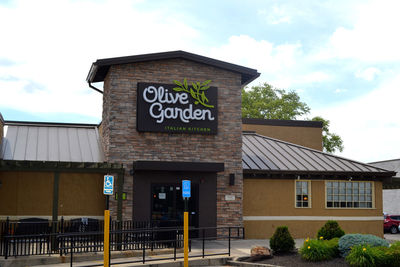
pixel 239 248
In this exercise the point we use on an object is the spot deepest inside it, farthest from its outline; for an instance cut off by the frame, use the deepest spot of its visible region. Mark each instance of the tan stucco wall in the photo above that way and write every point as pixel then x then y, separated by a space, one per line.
pixel 275 197
pixel 305 136
pixel 81 194
pixel 26 194
pixel 31 194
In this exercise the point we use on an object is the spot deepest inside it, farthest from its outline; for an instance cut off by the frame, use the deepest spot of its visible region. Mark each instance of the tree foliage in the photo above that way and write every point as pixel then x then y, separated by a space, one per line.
pixel 331 141
pixel 267 102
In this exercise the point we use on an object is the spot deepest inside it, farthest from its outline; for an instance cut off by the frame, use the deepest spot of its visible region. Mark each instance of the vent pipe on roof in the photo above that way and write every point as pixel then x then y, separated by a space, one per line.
pixel 94 88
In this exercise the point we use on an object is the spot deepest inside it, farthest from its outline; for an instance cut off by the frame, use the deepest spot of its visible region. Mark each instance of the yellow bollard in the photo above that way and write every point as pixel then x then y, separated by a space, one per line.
pixel 186 239
pixel 106 238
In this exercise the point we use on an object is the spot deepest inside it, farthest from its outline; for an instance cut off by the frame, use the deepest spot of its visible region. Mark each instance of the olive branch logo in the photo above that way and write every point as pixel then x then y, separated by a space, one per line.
pixel 197 91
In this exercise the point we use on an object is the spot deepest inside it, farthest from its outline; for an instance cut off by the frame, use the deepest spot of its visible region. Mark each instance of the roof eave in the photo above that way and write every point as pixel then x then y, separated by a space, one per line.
pixel 388 174
pixel 100 68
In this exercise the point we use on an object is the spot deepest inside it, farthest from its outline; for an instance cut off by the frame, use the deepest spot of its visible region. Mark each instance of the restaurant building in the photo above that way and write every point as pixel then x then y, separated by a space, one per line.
pixel 176 116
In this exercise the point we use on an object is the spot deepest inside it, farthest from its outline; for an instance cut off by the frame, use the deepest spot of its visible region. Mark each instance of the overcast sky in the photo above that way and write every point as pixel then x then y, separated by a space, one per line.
pixel 341 57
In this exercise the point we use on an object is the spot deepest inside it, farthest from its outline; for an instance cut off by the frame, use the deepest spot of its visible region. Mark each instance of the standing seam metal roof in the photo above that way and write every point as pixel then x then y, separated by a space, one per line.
pixel 51 142
pixel 393 165
pixel 81 143
pixel 265 154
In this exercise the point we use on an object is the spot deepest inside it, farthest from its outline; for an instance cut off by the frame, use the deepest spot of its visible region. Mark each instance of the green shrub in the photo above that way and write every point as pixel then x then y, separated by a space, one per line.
pixel 281 241
pixel 316 250
pixel 348 241
pixel 361 255
pixel 392 255
pixel 379 254
pixel 333 246
pixel 382 256
pixel 330 230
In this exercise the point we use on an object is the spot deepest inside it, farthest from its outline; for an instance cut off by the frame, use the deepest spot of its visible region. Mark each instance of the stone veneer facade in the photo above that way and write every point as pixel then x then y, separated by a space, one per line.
pixel 123 144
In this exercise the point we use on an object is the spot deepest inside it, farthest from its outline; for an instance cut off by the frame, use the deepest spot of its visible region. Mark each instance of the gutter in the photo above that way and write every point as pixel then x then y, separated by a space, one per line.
pixel 94 88
pixel 89 78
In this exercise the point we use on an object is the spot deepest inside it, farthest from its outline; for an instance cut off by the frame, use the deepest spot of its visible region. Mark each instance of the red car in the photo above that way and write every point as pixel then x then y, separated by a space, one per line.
pixel 391 223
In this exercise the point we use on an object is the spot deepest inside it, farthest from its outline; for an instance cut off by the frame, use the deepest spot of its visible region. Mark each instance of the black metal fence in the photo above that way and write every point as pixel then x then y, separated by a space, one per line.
pixel 35 236
pixel 150 239
pixel 41 237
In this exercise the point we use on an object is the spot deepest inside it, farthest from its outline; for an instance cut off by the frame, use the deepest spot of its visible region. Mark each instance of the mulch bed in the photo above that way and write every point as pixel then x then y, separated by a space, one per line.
pixel 294 259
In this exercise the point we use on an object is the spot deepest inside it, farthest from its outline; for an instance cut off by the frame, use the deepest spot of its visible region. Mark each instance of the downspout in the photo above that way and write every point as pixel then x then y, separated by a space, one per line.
pixel 94 88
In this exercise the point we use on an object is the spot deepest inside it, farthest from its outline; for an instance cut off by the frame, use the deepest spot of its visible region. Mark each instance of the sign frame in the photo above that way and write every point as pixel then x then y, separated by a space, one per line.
pixel 189 115
pixel 108 185
pixel 186 188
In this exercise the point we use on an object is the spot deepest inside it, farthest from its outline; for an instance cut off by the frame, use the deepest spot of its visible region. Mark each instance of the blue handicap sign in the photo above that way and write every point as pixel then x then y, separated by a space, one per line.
pixel 185 188
pixel 108 184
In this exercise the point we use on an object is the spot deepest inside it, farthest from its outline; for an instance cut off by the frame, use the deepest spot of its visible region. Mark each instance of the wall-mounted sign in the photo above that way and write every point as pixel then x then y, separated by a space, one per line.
pixel 177 108
pixel 229 197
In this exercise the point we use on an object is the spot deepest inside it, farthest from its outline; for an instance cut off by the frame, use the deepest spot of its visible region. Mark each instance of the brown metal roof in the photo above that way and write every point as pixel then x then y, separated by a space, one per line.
pixel 99 69
pixel 392 165
pixel 261 154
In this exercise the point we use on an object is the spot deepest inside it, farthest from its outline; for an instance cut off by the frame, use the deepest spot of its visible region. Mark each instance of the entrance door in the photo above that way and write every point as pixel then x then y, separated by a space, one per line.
pixel 168 206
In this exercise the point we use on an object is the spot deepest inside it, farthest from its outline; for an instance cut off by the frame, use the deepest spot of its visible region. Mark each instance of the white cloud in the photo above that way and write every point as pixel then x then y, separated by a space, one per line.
pixel 316 76
pixel 276 15
pixel 282 65
pixel 368 73
pixel 373 38
pixel 370 124
pixel 53 43
pixel 340 91
pixel 274 62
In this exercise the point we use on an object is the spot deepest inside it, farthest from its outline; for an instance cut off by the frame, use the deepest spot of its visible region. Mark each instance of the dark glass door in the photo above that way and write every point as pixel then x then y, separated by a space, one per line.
pixel 168 206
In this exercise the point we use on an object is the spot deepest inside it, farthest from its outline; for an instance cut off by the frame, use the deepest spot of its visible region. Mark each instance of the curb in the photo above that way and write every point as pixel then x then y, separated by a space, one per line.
pixel 32 260
pixel 237 262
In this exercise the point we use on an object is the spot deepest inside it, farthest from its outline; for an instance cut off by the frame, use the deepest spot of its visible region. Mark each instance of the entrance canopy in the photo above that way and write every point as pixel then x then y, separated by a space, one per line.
pixel 178 166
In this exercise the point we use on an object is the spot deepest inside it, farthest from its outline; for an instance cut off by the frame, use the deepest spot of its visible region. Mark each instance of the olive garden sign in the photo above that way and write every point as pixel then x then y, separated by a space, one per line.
pixel 177 108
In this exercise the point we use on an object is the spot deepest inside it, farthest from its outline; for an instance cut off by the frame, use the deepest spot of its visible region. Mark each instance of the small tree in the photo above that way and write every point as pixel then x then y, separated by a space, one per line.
pixel 330 230
pixel 281 241
pixel 267 102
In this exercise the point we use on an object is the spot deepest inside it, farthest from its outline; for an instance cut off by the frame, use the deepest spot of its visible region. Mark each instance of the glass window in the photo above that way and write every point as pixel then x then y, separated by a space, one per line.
pixel 303 194
pixel 349 194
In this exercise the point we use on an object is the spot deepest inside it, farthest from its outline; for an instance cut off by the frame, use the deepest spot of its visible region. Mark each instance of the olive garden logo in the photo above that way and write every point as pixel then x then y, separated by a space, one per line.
pixel 197 91
pixel 177 107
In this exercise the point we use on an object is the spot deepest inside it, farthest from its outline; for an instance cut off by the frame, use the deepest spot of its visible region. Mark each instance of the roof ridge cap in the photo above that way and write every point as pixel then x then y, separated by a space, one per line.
pixel 388 160
pixel 50 124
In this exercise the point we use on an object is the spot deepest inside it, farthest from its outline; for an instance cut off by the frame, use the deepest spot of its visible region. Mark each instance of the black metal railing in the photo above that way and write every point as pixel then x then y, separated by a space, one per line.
pixel 30 237
pixel 35 236
pixel 150 239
